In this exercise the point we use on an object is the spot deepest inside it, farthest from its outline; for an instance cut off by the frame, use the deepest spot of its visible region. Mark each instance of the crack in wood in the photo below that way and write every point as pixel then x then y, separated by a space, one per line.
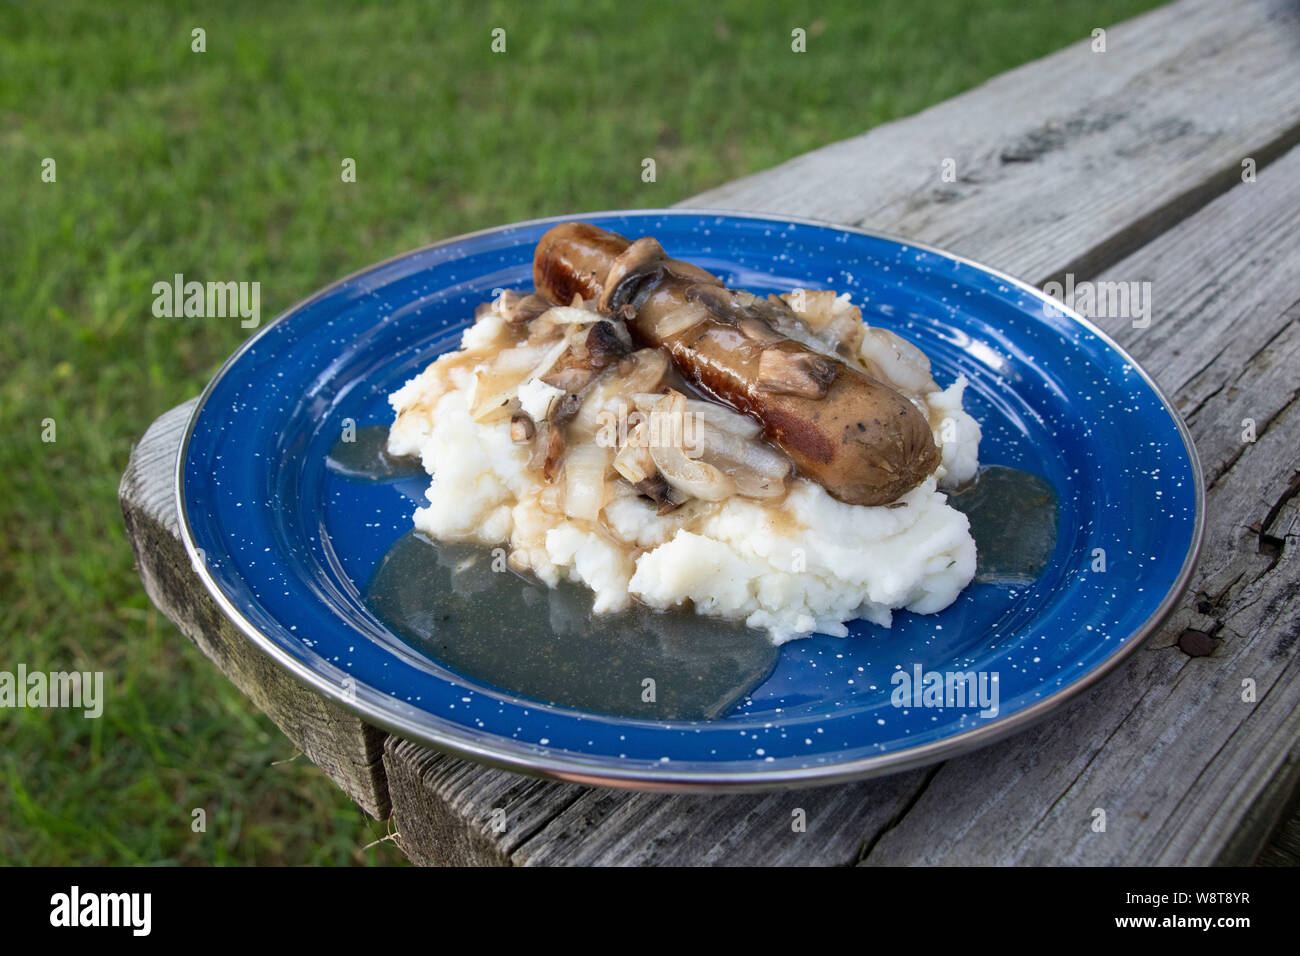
pixel 869 844
pixel 1274 542
pixel 1190 417
pixel 1260 432
pixel 1162 219
pixel 1288 315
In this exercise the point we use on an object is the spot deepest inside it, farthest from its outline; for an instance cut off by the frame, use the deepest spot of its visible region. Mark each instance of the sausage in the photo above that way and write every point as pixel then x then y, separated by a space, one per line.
pixel 860 439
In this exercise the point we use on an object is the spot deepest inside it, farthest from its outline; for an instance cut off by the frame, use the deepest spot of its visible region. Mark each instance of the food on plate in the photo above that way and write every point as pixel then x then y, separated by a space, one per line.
pixel 635 426
pixel 859 438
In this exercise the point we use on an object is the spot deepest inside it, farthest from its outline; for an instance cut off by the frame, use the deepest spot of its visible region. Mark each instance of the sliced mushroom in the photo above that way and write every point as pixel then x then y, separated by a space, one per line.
pixel 570 378
pixel 804 374
pixel 567 408
pixel 548 450
pixel 515 307
pixel 643 370
pixel 717 299
pixel 522 428
pixel 757 330
pixel 657 489
pixel 586 356
pixel 687 270
pixel 639 264
pixel 604 344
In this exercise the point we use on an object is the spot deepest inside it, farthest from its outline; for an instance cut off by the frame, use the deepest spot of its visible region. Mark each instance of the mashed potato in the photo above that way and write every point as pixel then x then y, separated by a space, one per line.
pixel 802 564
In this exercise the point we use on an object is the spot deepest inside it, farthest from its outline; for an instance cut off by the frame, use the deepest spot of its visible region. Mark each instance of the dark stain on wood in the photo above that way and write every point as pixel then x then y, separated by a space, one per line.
pixel 1195 643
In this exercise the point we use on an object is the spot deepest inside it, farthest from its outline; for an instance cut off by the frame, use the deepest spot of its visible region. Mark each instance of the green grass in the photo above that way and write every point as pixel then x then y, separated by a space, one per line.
pixel 225 165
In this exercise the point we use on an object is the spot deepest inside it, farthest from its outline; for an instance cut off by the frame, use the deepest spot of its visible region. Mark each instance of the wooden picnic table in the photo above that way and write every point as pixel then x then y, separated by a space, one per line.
pixel 1169 158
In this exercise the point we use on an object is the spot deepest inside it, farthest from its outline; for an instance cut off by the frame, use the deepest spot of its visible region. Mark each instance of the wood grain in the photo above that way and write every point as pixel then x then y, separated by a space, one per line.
pixel 348 750
pixel 1071 162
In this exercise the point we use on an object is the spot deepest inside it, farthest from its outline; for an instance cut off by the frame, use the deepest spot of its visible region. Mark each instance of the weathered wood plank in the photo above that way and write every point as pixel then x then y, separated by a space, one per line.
pixel 1284 847
pixel 346 749
pixel 1168 748
pixel 1068 163
pixel 451 813
pixel 825 826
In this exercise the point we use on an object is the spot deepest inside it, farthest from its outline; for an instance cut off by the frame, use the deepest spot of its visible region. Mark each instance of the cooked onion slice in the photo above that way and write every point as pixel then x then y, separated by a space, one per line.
pixel 551 499
pixel 831 318
pixel 708 413
pixel 584 481
pixel 642 371
pixel 550 357
pixel 633 461
pixel 897 362
pixel 492 393
pixel 568 315
pixel 509 369
pixel 755 456
pixel 724 419
pixel 718 437
pixel 752 485
pixel 692 477
pixel 548 450
pixel 679 320
pixel 758 469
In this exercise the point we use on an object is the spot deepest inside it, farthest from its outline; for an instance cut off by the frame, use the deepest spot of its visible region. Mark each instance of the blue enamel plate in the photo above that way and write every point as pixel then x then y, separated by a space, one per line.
pixel 287 547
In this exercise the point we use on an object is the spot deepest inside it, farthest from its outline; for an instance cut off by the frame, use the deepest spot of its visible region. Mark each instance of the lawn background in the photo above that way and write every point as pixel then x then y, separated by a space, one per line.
pixel 225 165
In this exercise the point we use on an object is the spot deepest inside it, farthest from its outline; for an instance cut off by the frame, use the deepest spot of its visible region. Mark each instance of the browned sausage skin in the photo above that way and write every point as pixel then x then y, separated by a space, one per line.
pixel 862 441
